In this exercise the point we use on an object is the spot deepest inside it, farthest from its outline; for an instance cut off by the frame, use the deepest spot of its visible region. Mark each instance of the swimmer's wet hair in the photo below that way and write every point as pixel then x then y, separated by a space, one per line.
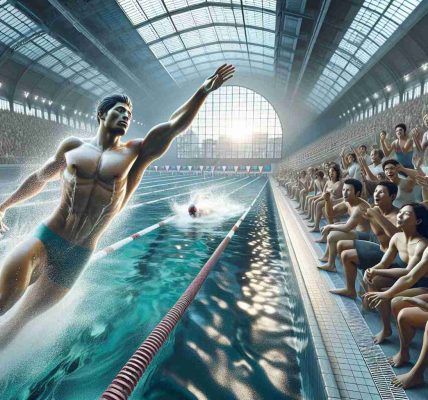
pixel 110 101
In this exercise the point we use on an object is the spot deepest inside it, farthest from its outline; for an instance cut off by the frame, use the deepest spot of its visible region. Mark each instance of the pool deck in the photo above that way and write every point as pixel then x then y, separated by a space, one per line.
pixel 352 366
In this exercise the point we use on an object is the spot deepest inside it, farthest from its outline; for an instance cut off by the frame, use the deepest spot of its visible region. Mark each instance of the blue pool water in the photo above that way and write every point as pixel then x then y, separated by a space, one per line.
pixel 244 337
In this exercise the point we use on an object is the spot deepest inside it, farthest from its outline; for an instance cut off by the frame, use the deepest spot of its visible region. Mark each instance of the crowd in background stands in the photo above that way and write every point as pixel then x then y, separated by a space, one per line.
pixel 365 131
pixel 30 137
pixel 370 208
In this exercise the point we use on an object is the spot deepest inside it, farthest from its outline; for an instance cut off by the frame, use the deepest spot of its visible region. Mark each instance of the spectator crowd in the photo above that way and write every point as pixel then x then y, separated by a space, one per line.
pixel 28 137
pixel 368 202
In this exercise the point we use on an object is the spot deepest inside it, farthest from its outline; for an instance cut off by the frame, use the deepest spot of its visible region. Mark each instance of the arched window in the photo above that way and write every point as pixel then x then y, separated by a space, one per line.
pixel 234 122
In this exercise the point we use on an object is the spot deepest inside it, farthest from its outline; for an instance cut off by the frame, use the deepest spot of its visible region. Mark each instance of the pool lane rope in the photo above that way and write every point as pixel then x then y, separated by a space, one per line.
pixel 117 245
pixel 127 379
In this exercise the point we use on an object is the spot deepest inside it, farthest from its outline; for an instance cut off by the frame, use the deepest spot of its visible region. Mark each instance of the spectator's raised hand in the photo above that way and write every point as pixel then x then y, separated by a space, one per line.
pixel 422 181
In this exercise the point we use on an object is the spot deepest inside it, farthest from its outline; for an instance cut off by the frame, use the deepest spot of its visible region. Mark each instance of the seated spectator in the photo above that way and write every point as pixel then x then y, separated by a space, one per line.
pixel 365 254
pixel 402 145
pixel 376 157
pixel 409 246
pixel 356 226
pixel 421 140
pixel 351 167
pixel 406 193
pixel 308 187
pixel 334 187
pixel 318 185
pixel 362 152
pixel 414 283
pixel 412 314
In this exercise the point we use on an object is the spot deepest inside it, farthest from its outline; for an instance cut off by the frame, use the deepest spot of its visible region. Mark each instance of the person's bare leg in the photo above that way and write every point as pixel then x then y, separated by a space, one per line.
pixel 332 239
pixel 318 214
pixel 349 261
pixel 312 210
pixel 306 203
pixel 303 193
pixel 312 217
pixel 39 297
pixel 377 285
pixel 309 208
pixel 415 376
pixel 343 245
pixel 409 319
pixel 17 271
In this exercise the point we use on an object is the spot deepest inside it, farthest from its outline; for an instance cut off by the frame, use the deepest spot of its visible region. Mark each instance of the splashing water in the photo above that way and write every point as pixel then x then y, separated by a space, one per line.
pixel 218 208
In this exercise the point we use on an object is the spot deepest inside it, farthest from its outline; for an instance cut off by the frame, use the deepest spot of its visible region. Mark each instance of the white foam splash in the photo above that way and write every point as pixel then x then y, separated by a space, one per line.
pixel 219 207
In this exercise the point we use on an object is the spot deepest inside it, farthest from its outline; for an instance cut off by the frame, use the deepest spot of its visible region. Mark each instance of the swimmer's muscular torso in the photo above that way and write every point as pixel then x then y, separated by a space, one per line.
pixel 98 176
pixel 94 189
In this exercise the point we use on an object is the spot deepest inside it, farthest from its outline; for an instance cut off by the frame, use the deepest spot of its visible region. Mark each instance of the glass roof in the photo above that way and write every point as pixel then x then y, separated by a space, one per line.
pixel 191 37
pixel 374 23
pixel 29 40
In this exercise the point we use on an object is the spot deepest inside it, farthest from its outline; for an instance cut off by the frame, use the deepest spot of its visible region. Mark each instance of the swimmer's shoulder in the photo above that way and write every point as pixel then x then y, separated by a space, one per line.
pixel 71 143
pixel 134 144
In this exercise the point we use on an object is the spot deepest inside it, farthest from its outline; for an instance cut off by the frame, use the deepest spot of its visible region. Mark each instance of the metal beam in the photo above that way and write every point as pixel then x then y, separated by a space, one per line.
pixel 212 43
pixel 418 13
pixel 318 24
pixel 79 27
pixel 213 25
pixel 218 4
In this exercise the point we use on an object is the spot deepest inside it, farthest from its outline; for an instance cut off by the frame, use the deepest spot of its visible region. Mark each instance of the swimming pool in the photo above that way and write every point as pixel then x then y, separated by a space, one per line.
pixel 244 337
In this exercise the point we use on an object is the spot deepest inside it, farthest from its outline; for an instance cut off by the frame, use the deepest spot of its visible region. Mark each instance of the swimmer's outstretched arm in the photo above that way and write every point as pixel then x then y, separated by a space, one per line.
pixel 161 136
pixel 35 183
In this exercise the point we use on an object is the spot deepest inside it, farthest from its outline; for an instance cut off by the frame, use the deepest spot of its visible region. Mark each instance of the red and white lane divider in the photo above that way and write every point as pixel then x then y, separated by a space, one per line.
pixel 116 246
pixel 127 379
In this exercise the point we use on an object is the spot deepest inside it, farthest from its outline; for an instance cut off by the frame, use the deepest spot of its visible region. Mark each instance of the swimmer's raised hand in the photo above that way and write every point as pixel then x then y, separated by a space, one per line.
pixel 3 227
pixel 223 74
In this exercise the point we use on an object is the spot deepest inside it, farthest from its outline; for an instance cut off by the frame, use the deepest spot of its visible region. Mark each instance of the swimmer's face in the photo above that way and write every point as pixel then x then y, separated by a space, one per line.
pixel 118 119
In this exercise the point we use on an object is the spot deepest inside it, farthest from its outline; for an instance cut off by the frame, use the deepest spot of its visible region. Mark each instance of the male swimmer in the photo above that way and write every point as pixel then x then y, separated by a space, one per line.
pixel 99 176
pixel 198 211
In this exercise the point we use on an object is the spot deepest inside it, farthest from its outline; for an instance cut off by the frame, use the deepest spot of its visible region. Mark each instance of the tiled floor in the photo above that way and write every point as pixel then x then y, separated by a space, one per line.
pixel 357 366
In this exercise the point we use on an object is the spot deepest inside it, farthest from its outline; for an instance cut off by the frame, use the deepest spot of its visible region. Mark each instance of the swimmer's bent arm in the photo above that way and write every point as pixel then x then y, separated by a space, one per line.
pixel 35 183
